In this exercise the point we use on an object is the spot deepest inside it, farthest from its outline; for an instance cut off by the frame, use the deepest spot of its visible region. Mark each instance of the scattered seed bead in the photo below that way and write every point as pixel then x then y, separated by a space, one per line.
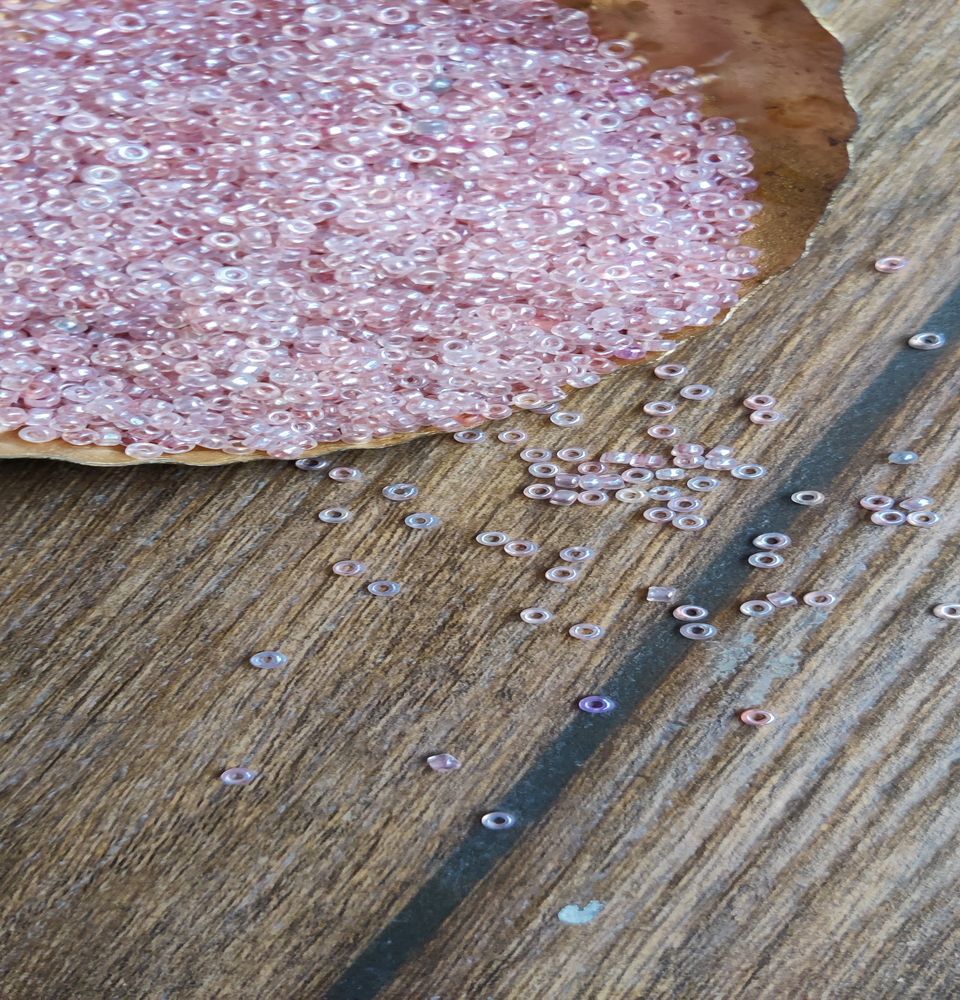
pixel 766 417
pixel 689 613
pixel 593 498
pixel 536 616
pixel 660 408
pixel 238 776
pixel 820 599
pixel 469 436
pixel 659 515
pixel 401 491
pixel 903 457
pixel 669 372
pixel 586 630
pixel 928 341
pixel 748 471
pixel 756 609
pixel 916 503
pixel 690 522
pixel 688 461
pixel 572 454
pixel 539 491
pixel 765 560
pixel 888 518
pixel 661 595
pixel 662 431
pixel 512 437
pixel 630 494
pixel 703 484
pixel 349 567
pixel 772 540
pixel 684 505
pixel 313 464
pixel 721 451
pixel 596 704
pixel 493 538
pixel 698 630
pixel 536 454
pixel 663 492
pixel 577 553
pixel 566 480
pixel 591 468
pixel 611 482
pixel 807 498
pixel 562 574
pixel 269 660
pixel 384 588
pixel 649 461
pixel 760 402
pixel 543 470
pixel 720 465
pixel 422 521
pixel 948 612
pixel 563 418
pixel 521 547
pixel 547 410
pixel 617 457
pixel 637 476
pixel 563 498
pixel 757 717
pixel 888 265
pixel 345 474
pixel 498 820
pixel 670 474
pixel 922 518
pixel 781 599
pixel 697 391
pixel 876 501
pixel 443 763
pixel 335 515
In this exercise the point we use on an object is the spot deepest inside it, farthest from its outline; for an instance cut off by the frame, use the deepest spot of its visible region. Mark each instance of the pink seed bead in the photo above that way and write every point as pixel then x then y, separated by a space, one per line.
pixel 670 371
pixel 781 599
pixel 820 599
pixel 563 498
pixel 765 417
pixel 888 265
pixel 521 547
pixel 443 763
pixel 757 717
pixel 348 567
pixel 662 431
pixel 690 613
pixel 345 474
pixel 661 595
pixel 616 457
pixel 697 391
pixel 567 481
pixel 876 502
pixel 572 454
pixel 916 503
pixel 593 498
pixel 238 776
pixel 760 402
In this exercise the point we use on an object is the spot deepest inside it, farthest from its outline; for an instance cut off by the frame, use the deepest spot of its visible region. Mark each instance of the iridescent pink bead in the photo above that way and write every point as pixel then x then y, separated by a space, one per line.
pixel 238 776
pixel 661 595
pixel 348 567
pixel 889 265
pixel 757 717
pixel 760 402
pixel 443 763
pixel 876 501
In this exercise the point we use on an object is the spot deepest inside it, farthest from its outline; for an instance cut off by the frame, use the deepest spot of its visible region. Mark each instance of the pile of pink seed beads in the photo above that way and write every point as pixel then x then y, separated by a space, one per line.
pixel 267 226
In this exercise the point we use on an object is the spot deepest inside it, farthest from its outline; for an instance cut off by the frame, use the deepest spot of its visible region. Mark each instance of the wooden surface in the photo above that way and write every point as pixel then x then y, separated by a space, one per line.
pixel 811 859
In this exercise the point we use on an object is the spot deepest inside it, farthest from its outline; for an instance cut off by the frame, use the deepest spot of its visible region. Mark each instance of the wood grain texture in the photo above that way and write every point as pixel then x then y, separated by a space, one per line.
pixel 812 859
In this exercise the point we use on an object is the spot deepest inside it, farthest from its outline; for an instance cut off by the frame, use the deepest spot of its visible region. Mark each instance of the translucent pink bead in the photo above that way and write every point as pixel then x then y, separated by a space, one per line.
pixel 689 613
pixel 443 763
pixel 661 595
pixel 820 599
pixel 948 612
pixel 760 402
pixel 888 265
pixel 348 567
pixel 781 599
pixel 238 776
pixel 757 717
pixel 876 501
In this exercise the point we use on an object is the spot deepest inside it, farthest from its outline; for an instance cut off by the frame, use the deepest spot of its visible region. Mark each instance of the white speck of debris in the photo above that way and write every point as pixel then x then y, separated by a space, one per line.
pixel 574 914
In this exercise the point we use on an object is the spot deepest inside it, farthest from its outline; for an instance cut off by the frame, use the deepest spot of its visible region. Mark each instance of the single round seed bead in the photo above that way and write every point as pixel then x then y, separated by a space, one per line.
pixel 238 776
pixel 703 484
pixel 269 660
pixel 539 491
pixel 807 498
pixel 536 454
pixel 536 616
pixel 401 491
pixel 593 498
pixel 697 391
pixel 384 588
pixel 617 457
pixel 760 402
pixel 563 498
pixel 922 518
pixel 512 437
pixel 719 464
pixel 493 538
pixel 948 612
pixel 660 408
pixel 820 599
pixel 596 704
pixel 690 522
pixel 637 476
pixel 766 417
pixel 689 613
pixel 663 492
pixel 562 574
pixel 903 457
pixel 564 418
pixel 757 717
pixel 698 630
pixel 661 595
pixel 591 468
pixel 765 560
pixel 772 540
pixel 748 471
pixel 498 820
pixel 781 599
pixel 313 464
pixel 888 518
pixel 469 436
pixel 684 505
pixel 422 521
pixel 888 265
pixel 928 341
pixel 349 567
pixel 521 547
pixel 671 474
pixel 566 480
pixel 659 515
pixel 610 482
pixel 756 609
pixel 688 461
pixel 876 501
pixel 669 372
pixel 543 470
pixel 577 553
pixel 630 494
pixel 586 630
pixel 572 454
pixel 443 763
pixel 334 515
pixel 916 503
pixel 663 431
pixel 345 474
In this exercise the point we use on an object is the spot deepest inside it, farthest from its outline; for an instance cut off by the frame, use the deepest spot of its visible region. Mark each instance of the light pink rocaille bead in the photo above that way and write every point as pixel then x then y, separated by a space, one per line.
pixel 690 613
pixel 760 402
pixel 662 431
pixel 757 717
pixel 889 265
pixel 876 501
pixel 670 372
